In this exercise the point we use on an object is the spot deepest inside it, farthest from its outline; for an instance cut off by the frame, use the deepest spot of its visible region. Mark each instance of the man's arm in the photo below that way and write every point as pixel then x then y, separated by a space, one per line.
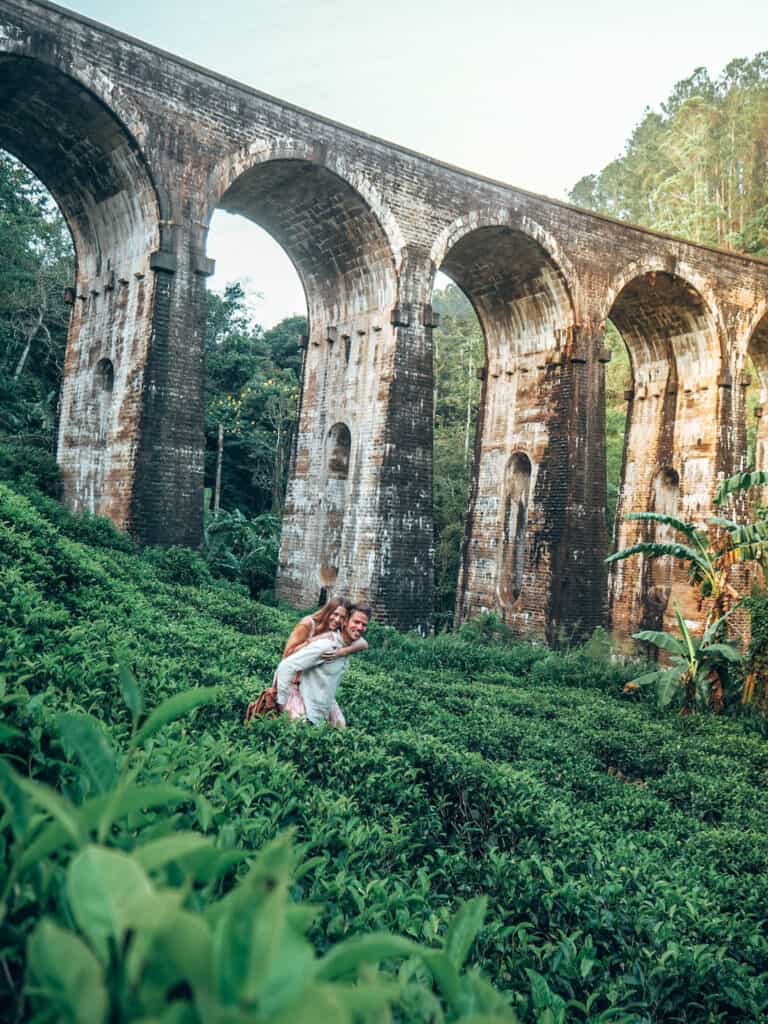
pixel 341 652
pixel 306 657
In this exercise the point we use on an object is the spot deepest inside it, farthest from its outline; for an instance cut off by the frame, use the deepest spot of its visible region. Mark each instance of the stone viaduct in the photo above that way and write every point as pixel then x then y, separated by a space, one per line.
pixel 139 148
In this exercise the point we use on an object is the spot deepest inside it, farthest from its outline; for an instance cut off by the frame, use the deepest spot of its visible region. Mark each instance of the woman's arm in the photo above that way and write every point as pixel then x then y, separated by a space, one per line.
pixel 298 638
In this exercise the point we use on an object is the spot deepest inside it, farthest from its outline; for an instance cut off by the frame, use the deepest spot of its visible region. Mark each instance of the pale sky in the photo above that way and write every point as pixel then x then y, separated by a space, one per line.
pixel 537 94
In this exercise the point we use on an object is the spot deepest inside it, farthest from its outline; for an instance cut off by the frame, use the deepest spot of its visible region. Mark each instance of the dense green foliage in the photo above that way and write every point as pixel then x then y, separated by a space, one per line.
pixel 252 381
pixel 36 264
pixel 459 351
pixel 622 854
pixel 696 168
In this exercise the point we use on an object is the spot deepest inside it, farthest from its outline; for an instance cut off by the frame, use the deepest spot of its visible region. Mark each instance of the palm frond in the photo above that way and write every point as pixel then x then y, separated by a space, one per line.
pixel 672 550
pixel 710 633
pixel 665 641
pixel 649 678
pixel 740 482
pixel 686 633
pixel 751 533
pixel 688 529
pixel 727 651
pixel 724 524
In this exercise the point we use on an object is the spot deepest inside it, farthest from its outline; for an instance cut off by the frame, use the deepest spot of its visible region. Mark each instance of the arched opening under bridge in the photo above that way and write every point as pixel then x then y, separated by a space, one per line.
pixel 672 443
pixel 345 263
pixel 524 308
pixel 90 163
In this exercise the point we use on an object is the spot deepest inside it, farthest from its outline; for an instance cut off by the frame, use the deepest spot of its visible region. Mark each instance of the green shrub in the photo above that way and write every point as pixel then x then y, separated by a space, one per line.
pixel 621 852
pixel 179 565
pixel 30 466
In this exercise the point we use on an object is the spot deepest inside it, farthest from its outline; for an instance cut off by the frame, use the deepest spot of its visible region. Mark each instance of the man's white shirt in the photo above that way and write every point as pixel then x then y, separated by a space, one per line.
pixel 319 679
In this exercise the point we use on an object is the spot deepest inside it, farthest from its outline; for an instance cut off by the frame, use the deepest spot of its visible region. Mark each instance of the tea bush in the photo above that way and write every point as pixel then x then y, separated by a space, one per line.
pixel 620 852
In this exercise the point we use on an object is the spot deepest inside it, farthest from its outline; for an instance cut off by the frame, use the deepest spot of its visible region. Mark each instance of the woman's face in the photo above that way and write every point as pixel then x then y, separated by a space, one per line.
pixel 338 618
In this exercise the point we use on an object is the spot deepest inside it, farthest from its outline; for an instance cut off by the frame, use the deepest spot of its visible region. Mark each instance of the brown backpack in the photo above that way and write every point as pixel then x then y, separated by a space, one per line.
pixel 265 705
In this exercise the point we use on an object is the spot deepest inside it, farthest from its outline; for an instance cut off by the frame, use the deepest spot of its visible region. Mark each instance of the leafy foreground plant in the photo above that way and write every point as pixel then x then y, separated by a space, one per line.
pixel 701 669
pixel 142 926
pixel 698 674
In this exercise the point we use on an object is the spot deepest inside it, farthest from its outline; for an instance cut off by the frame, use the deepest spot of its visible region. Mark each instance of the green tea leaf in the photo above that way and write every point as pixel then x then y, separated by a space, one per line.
pixel 247 942
pixel 63 813
pixel 541 995
pixel 175 707
pixel 103 886
pixel 129 688
pixel 83 737
pixel 14 799
pixel 180 846
pixel 68 973
pixel 348 955
pixel 137 798
pixel 462 930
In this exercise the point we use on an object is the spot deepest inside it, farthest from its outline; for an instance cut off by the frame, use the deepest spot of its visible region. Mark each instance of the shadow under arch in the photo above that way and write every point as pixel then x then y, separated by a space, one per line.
pixel 516 495
pixel 334 227
pixel 526 311
pixel 92 164
pixel 675 354
pixel 338 451
pixel 87 158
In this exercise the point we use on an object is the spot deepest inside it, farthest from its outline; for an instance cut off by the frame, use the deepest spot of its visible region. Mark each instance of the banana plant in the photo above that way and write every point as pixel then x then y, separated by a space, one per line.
pixel 707 571
pixel 709 552
pixel 698 669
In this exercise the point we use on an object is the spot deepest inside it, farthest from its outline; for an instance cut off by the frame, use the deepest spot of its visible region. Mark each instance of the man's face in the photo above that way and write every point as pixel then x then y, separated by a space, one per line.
pixel 356 625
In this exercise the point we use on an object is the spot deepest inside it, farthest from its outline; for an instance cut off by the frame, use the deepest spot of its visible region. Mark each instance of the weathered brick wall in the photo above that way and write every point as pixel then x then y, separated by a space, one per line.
pixel 154 145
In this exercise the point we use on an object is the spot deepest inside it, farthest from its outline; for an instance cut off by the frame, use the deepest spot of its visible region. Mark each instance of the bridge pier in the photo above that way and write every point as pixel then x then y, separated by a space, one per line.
pixel 677 434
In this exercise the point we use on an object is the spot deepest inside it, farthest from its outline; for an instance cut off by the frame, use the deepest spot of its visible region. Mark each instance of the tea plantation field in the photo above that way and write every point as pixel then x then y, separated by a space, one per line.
pixel 177 867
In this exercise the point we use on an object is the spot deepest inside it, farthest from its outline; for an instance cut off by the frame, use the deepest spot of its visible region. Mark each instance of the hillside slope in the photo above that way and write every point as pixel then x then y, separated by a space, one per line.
pixel 622 853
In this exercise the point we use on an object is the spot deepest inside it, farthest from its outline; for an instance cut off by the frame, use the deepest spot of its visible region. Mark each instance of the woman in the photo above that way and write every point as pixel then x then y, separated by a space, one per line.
pixel 327 619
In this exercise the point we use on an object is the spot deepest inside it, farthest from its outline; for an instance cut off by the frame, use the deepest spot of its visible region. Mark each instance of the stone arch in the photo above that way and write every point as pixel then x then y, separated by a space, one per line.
pixel 344 244
pixel 674 407
pixel 502 216
pixel 668 265
pixel 78 144
pixel 525 306
pixel 70 131
pixel 328 217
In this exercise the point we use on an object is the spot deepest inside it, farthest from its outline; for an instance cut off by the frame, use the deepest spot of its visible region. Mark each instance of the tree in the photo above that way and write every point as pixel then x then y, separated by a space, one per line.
pixel 36 264
pixel 252 385
pixel 458 353
pixel 697 167
pixel 700 668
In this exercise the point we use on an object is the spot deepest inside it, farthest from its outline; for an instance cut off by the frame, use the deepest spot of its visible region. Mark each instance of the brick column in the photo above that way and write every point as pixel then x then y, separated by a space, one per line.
pixel 359 524
pixel 578 596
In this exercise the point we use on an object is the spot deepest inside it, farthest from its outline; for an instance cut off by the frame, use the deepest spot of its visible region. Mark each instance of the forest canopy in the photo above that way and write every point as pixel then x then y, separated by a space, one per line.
pixel 697 167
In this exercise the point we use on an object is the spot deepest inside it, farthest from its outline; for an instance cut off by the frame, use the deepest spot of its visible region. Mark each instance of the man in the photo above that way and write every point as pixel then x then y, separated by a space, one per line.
pixel 319 676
